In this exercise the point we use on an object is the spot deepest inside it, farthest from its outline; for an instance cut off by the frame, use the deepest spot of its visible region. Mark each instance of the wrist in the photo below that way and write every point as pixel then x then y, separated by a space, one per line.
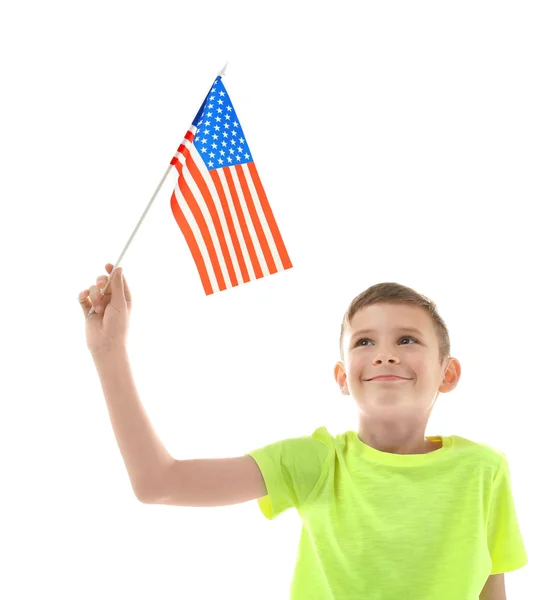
pixel 109 353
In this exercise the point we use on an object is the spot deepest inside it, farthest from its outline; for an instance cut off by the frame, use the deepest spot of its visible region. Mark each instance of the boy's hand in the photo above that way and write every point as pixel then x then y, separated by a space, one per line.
pixel 107 329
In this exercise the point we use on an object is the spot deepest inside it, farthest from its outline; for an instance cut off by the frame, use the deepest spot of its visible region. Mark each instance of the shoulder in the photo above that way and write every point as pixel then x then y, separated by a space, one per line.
pixel 488 454
pixel 311 449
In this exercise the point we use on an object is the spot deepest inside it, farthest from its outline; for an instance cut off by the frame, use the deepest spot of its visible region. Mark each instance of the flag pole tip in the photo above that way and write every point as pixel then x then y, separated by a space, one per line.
pixel 222 71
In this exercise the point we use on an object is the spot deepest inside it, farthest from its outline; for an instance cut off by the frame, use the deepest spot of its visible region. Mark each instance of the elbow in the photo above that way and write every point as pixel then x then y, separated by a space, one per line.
pixel 142 494
pixel 153 489
pixel 146 498
pixel 143 498
pixel 151 493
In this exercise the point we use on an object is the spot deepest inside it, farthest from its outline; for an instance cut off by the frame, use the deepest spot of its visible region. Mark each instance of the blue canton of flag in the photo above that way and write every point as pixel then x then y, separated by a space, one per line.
pixel 220 139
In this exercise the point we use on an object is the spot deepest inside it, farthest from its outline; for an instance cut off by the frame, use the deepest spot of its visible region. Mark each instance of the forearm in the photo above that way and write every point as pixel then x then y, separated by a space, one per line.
pixel 144 455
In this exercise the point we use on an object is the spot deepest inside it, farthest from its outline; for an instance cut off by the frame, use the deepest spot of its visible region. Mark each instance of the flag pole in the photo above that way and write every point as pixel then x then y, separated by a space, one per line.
pixel 221 73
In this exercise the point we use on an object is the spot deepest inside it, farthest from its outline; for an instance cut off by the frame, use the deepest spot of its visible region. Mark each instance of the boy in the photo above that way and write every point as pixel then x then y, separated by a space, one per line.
pixel 388 513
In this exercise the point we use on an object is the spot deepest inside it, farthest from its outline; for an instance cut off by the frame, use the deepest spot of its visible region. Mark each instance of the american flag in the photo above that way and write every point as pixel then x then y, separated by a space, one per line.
pixel 219 202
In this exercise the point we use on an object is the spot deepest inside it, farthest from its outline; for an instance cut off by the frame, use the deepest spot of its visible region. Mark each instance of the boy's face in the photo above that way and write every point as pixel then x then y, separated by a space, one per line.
pixel 393 348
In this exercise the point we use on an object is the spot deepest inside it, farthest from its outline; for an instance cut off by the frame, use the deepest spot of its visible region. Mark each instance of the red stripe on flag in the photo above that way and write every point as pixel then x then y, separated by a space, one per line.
pixel 285 259
pixel 182 148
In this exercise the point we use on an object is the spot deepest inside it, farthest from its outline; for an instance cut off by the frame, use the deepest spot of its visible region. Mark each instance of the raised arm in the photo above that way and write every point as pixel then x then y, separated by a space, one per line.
pixel 106 329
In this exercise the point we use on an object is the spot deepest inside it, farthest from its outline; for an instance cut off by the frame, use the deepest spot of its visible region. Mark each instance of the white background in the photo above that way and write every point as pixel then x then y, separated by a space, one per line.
pixel 403 141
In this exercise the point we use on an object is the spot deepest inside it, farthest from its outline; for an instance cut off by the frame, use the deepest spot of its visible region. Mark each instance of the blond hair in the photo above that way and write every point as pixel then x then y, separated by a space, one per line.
pixel 395 293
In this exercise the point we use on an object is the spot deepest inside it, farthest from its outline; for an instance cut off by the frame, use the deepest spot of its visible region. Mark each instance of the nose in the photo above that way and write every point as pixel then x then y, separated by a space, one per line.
pixel 385 357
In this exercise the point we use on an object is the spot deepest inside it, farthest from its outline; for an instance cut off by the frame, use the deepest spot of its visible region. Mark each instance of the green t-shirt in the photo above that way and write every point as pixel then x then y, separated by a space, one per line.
pixel 382 526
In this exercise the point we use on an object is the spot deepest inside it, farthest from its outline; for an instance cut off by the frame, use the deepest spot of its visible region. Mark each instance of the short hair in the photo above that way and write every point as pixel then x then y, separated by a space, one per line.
pixel 395 293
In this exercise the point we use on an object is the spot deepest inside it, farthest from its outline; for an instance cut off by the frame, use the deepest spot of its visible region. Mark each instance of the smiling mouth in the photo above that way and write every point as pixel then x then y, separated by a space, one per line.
pixel 387 378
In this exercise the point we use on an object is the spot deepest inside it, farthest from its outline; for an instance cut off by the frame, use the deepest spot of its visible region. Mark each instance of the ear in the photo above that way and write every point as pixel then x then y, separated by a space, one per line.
pixel 340 378
pixel 451 377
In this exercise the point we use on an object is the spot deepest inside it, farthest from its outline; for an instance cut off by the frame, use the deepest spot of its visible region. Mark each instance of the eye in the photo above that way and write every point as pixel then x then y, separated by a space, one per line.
pixel 406 337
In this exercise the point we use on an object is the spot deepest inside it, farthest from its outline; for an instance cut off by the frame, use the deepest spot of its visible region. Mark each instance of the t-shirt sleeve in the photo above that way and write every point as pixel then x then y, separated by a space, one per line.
pixel 505 541
pixel 291 469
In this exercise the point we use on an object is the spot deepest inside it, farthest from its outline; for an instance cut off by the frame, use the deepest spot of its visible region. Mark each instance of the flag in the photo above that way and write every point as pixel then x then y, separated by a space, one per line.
pixel 219 202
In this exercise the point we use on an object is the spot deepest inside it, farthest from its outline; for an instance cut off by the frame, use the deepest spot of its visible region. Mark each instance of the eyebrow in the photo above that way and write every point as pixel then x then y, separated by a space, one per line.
pixel 406 329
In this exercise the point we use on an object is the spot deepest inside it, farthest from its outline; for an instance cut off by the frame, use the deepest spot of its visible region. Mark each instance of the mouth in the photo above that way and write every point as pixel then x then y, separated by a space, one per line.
pixel 387 378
